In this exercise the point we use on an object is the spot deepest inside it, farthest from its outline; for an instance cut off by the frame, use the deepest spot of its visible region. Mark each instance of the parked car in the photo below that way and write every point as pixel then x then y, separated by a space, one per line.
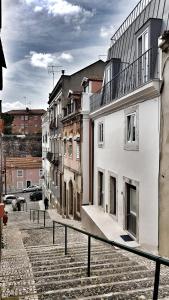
pixel 32 188
pixel 9 198
pixel 36 196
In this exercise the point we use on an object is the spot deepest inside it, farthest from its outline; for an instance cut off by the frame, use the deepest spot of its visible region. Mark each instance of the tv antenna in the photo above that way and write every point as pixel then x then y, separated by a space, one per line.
pixel 52 69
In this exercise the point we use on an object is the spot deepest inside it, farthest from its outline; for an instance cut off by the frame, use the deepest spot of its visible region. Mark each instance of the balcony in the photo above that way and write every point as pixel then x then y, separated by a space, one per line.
pixel 139 73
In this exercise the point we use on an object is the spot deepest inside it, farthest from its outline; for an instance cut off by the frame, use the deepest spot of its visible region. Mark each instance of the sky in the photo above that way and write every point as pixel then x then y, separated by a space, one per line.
pixel 69 34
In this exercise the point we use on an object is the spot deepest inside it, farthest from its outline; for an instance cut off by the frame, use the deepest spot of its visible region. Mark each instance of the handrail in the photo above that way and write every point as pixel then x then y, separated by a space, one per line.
pixel 32 216
pixel 130 19
pixel 158 259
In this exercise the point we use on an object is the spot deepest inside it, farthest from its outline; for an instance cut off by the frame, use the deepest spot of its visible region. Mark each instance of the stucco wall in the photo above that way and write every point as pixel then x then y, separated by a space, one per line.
pixel 141 166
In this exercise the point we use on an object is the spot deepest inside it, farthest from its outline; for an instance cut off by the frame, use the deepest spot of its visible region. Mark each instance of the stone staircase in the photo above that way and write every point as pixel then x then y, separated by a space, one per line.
pixel 48 274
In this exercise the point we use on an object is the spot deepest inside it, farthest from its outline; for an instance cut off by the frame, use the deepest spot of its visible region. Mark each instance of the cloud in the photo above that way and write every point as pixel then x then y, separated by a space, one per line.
pixel 41 60
pixel 106 32
pixel 12 105
pixel 66 56
pixel 38 8
pixel 62 7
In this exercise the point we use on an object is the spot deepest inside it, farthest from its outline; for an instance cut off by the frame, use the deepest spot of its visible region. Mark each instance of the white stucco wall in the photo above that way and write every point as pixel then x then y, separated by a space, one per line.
pixel 142 166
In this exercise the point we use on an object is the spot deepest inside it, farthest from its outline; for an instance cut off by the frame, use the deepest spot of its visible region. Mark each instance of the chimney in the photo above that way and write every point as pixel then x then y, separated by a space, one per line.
pixel 63 72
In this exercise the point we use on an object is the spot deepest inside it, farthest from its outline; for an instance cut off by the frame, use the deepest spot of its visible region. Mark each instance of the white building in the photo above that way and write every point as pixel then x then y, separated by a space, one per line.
pixel 126 134
pixel 45 150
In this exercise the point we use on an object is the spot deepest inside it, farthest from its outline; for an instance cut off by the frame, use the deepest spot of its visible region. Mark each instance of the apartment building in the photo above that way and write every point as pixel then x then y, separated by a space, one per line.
pixel 125 134
pixel 58 103
pixel 26 121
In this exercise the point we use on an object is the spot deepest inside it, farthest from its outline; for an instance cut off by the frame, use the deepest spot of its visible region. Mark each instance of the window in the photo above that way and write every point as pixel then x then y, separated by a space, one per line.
pixel 40 172
pixel 35 117
pixel 131 129
pixel 36 125
pixel 113 205
pixel 22 118
pixel 77 150
pixel 26 118
pixel 86 88
pixel 20 185
pixel 70 149
pixel 19 173
pixel 100 134
pixel 143 62
pixel 64 147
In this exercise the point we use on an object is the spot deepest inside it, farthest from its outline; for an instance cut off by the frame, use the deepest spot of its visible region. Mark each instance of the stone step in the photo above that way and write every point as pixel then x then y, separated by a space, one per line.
pixel 95 290
pixel 88 281
pixel 76 258
pixel 46 276
pixel 78 269
pixel 137 294
pixel 83 251
pixel 66 264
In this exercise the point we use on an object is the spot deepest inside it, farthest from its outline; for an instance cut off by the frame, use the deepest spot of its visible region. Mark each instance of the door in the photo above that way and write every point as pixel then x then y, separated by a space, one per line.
pixel 113 206
pixel 131 211
pixel 28 183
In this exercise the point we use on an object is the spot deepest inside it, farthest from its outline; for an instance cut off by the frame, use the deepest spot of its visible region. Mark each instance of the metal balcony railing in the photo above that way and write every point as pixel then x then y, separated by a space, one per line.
pixel 130 19
pixel 140 72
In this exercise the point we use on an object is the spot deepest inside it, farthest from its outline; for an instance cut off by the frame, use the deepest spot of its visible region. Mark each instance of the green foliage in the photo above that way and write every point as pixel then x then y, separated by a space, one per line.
pixel 8 119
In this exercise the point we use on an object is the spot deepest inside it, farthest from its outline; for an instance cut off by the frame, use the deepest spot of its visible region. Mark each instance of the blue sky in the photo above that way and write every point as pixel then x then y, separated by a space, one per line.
pixel 66 33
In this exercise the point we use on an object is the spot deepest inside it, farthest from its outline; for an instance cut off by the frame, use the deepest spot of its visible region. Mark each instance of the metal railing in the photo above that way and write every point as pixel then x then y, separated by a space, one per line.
pixel 157 259
pixel 35 215
pixel 130 19
pixel 138 73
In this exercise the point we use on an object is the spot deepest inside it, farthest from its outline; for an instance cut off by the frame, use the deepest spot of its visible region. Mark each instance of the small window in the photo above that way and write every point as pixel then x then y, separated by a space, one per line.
pixel 40 172
pixel 26 118
pixel 77 150
pixel 100 134
pixel 19 173
pixel 22 118
pixel 70 149
pixel 36 125
pixel 131 129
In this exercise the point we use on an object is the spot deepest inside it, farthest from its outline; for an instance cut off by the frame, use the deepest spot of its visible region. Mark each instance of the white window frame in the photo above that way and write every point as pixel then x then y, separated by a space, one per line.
pixel 131 144
pixel 100 134
pixel 18 173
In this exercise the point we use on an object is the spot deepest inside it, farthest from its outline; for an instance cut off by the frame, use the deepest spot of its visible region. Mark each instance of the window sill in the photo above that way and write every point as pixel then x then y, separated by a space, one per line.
pixel 100 145
pixel 131 147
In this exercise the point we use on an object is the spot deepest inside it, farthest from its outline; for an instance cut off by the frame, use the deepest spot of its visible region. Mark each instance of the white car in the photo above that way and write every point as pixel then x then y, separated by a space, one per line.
pixel 31 188
pixel 8 199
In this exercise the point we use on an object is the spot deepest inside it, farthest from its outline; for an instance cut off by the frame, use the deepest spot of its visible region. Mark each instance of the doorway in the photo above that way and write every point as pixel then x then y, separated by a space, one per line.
pixel 100 189
pixel 131 211
pixel 70 198
pixel 28 183
pixel 113 204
